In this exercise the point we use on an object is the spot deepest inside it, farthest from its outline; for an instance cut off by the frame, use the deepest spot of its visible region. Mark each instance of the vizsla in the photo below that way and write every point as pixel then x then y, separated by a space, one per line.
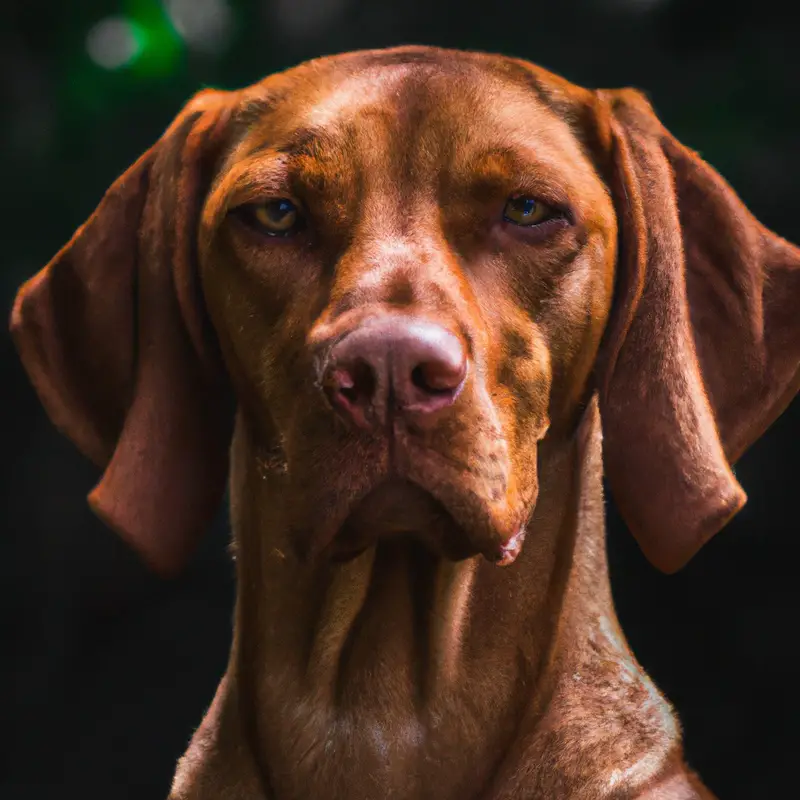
pixel 394 297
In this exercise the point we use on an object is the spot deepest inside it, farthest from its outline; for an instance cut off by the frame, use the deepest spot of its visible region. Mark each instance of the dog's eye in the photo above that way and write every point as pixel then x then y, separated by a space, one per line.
pixel 527 211
pixel 274 217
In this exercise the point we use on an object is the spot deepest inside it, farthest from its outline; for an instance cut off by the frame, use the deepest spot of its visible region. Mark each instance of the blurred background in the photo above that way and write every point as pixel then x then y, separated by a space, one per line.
pixel 105 670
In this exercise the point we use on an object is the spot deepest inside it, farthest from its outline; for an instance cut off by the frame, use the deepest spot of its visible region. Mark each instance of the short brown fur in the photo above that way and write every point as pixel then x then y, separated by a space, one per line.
pixel 660 313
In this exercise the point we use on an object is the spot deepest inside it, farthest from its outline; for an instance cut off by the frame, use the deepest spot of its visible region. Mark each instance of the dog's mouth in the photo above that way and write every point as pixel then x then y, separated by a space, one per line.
pixel 398 508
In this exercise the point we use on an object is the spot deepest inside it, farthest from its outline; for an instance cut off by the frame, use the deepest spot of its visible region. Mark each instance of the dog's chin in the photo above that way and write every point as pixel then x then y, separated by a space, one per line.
pixel 399 509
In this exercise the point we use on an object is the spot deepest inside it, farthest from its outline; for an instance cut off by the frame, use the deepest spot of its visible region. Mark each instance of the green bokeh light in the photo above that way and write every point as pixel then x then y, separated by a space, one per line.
pixel 161 47
pixel 152 59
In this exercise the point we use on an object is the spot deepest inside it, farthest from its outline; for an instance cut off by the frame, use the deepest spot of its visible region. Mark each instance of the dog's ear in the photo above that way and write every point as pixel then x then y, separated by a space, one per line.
pixel 702 350
pixel 114 338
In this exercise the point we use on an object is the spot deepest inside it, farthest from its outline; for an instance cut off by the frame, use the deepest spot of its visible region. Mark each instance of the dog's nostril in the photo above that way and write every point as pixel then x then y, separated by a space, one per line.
pixel 358 383
pixel 438 377
pixel 349 393
pixel 426 381
pixel 345 386
pixel 354 383
pixel 418 379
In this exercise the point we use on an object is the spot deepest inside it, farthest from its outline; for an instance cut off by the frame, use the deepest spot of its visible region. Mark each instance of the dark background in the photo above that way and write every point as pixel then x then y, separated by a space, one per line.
pixel 105 670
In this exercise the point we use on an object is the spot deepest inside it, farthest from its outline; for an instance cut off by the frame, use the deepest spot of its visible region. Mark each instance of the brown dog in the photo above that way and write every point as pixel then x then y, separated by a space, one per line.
pixel 427 278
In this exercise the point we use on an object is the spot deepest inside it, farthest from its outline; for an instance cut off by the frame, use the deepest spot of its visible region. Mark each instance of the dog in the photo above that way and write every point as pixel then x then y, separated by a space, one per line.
pixel 411 305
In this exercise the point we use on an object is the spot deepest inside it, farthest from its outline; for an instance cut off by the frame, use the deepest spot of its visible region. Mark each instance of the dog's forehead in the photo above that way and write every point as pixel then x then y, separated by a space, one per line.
pixel 456 95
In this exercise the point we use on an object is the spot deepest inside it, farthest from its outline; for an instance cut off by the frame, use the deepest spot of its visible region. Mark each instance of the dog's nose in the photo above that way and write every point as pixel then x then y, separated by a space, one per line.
pixel 394 365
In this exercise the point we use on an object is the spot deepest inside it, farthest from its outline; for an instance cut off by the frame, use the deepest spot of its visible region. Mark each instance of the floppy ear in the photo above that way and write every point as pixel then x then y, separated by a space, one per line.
pixel 113 336
pixel 702 350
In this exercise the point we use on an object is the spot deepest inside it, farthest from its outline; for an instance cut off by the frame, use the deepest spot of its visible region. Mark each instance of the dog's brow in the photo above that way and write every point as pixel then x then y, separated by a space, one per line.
pixel 494 162
pixel 303 141
pixel 494 168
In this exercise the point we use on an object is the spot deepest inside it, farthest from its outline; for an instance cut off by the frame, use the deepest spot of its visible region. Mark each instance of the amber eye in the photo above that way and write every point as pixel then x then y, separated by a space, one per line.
pixel 275 217
pixel 527 211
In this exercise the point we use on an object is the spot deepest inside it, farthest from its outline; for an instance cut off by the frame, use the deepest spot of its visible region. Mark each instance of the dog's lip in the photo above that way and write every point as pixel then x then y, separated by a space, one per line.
pixel 393 508
pixel 507 553
pixel 441 532
pixel 498 543
pixel 344 555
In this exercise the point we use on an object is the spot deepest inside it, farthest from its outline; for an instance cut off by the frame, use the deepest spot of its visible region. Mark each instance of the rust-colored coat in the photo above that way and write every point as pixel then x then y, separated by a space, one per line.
pixel 647 302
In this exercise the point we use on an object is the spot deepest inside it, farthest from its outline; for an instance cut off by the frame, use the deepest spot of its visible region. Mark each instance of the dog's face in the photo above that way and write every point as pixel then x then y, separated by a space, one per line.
pixel 417 266
pixel 351 253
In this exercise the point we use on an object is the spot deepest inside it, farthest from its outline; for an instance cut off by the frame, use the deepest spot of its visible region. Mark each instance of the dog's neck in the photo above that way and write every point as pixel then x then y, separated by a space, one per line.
pixel 365 678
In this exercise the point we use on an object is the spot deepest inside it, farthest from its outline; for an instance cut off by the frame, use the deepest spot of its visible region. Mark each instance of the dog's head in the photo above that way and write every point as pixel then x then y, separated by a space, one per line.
pixel 411 266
